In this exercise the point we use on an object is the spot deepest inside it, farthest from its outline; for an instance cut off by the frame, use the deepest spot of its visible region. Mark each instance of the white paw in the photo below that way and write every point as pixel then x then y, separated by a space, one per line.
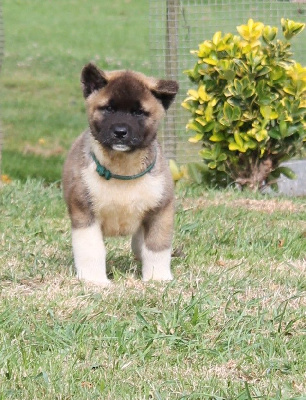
pixel 89 255
pixel 156 265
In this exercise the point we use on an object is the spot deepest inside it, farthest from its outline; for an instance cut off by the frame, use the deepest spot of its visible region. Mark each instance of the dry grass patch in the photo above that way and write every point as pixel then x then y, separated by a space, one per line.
pixel 264 205
pixel 231 322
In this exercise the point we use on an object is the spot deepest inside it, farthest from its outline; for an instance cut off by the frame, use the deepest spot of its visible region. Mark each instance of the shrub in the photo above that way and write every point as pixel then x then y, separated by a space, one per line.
pixel 249 107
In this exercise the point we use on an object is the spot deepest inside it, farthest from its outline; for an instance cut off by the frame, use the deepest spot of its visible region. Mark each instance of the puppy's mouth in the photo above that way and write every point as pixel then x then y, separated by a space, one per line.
pixel 121 147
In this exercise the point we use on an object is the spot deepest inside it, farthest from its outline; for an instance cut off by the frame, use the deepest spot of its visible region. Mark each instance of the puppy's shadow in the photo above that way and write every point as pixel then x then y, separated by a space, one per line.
pixel 120 262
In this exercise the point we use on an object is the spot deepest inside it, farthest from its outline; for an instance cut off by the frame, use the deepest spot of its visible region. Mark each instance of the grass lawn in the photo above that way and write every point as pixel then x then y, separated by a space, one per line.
pixel 46 45
pixel 230 326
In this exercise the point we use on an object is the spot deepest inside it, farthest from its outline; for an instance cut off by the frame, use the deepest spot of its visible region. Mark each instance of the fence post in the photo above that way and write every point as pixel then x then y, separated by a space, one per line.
pixel 171 60
pixel 1 58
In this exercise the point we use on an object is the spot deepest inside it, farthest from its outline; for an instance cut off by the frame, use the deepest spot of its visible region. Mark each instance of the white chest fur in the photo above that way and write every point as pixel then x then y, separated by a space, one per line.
pixel 119 205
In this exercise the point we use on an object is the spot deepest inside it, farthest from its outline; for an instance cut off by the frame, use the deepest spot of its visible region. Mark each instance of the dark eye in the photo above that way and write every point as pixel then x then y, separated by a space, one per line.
pixel 138 113
pixel 108 109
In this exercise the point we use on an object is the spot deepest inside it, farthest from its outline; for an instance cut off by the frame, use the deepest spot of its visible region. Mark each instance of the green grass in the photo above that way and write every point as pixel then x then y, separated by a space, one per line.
pixel 48 42
pixel 46 46
pixel 230 326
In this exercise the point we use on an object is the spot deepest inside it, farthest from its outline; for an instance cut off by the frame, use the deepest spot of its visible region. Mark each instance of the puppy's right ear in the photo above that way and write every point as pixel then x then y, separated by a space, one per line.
pixel 92 79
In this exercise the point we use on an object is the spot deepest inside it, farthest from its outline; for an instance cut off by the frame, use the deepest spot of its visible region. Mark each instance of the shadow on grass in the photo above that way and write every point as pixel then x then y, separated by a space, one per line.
pixel 23 166
pixel 119 265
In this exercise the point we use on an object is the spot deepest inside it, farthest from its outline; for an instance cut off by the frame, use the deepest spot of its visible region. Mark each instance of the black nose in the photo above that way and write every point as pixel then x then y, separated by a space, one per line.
pixel 120 131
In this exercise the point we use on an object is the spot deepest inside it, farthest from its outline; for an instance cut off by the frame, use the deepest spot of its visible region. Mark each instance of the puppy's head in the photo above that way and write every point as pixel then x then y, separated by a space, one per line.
pixel 125 107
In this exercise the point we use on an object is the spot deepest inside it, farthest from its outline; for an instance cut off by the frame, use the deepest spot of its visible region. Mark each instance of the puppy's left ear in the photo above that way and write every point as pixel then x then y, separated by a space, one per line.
pixel 165 91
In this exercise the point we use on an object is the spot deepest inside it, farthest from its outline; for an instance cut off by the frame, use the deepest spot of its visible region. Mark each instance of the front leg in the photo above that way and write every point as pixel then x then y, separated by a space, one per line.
pixel 89 254
pixel 156 245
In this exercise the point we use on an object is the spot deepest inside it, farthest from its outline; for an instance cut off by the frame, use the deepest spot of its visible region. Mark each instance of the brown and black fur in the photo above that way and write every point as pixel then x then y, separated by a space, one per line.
pixel 124 110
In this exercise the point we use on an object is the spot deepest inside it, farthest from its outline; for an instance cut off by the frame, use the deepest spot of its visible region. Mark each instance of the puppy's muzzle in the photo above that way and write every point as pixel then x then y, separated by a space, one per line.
pixel 120 134
pixel 120 131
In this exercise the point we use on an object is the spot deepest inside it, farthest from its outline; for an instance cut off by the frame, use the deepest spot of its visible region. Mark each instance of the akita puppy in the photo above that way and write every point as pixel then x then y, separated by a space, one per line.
pixel 116 180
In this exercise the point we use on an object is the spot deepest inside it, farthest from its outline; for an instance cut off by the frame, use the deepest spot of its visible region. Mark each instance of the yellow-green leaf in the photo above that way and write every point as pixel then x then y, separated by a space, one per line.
pixel 204 49
pixel 234 146
pixel 238 139
pixel 268 113
pixel 210 61
pixel 261 135
pixel 217 137
pixel 194 127
pixel 212 164
pixel 209 113
pixel 196 138
pixel 291 28
pixel 176 173
pixel 193 94
pixel 186 105
pixel 269 33
pixel 201 120
pixel 202 94
pixel 252 31
pixel 216 38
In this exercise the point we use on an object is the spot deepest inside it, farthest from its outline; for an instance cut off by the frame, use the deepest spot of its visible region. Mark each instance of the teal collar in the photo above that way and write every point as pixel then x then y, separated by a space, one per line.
pixel 107 174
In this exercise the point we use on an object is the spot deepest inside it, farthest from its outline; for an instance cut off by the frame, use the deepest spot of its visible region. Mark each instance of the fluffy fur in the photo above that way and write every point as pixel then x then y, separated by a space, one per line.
pixel 124 109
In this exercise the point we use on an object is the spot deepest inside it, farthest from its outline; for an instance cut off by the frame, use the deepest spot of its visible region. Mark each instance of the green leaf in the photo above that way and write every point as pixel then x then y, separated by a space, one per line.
pixel 194 126
pixel 292 129
pixel 194 172
pixel 234 102
pixel 228 111
pixel 221 168
pixel 286 171
pixel 236 113
pixel 231 113
pixel 238 86
pixel 212 164
pixel 229 74
pixel 248 92
pixel 269 33
pixel 222 157
pixel 268 113
pixel 283 128
pixel 291 28
pixel 275 134
pixel 207 155
pixel 263 71
pixel 277 73
pixel 196 138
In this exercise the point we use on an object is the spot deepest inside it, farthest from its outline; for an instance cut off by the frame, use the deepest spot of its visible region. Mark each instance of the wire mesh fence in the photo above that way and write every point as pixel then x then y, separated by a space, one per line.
pixel 178 26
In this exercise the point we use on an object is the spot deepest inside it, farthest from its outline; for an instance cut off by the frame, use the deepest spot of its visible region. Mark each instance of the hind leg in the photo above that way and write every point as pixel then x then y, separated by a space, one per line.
pixel 156 245
pixel 137 243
